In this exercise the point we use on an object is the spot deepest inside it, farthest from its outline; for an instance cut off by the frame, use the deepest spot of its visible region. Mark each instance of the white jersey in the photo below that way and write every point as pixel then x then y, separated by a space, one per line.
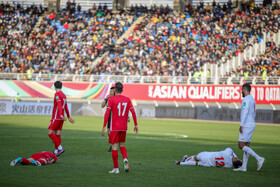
pixel 248 112
pixel 216 159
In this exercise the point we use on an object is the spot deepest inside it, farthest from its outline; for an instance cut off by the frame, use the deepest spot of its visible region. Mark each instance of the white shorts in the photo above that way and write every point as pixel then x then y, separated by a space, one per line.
pixel 203 158
pixel 247 133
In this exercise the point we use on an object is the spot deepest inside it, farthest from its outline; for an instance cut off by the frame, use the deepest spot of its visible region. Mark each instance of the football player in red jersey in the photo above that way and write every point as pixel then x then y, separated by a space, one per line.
pixel 120 106
pixel 37 159
pixel 56 123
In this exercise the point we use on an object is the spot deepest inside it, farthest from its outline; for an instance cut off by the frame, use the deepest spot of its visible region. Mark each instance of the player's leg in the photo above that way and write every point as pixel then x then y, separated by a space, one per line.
pixel 245 158
pixel 16 161
pixel 122 137
pixel 52 128
pixel 115 158
pixel 124 154
pixel 123 150
pixel 189 163
pixel 252 153
pixel 33 160
pixel 114 141
pixel 247 134
pixel 192 160
pixel 60 148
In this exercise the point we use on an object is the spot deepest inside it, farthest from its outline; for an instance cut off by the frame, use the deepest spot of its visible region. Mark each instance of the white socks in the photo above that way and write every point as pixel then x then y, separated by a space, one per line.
pixel 245 160
pixel 191 158
pixel 251 152
pixel 60 147
pixel 189 163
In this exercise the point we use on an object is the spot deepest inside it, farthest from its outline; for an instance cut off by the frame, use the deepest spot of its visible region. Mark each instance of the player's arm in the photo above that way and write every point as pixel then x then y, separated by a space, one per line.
pixel 244 115
pixel 230 152
pixel 106 117
pixel 234 155
pixel 134 119
pixel 68 114
pixel 105 101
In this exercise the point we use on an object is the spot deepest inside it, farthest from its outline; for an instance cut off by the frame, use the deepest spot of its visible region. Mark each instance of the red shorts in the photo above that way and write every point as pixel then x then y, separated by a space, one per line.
pixel 117 136
pixel 56 125
pixel 38 156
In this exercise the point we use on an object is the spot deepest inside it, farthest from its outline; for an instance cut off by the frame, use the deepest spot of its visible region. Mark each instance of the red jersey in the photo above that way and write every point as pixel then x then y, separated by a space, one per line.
pixel 48 156
pixel 120 106
pixel 59 106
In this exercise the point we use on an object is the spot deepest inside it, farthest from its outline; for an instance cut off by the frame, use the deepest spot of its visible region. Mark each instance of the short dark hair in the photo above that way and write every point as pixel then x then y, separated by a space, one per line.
pixel 113 87
pixel 58 84
pixel 119 87
pixel 247 86
pixel 237 163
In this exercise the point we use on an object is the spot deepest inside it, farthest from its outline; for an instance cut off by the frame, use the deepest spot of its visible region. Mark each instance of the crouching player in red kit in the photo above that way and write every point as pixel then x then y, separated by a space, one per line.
pixel 56 123
pixel 36 159
pixel 120 107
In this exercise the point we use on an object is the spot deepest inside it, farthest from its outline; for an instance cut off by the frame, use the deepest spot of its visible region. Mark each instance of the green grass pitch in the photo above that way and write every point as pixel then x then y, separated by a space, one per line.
pixel 151 154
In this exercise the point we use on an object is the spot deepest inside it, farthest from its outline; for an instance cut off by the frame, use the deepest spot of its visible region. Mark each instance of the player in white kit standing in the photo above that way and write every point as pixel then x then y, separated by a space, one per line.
pixel 247 127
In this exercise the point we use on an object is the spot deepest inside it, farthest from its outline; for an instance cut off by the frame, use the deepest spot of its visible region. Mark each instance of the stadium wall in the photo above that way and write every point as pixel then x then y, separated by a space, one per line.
pixel 143 110
pixel 143 92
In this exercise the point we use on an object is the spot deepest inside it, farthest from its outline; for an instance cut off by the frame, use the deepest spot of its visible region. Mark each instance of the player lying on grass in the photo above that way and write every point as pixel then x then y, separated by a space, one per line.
pixel 37 159
pixel 226 158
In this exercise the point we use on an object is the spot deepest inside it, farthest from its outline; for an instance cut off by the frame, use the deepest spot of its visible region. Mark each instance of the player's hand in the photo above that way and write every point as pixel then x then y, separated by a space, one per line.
pixel 136 129
pixel 63 118
pixel 103 131
pixel 240 129
pixel 128 119
pixel 107 97
pixel 71 120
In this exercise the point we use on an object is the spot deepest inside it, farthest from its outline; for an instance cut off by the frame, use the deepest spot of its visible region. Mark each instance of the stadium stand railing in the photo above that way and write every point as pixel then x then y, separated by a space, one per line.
pixel 271 80
pixel 26 3
pixel 88 4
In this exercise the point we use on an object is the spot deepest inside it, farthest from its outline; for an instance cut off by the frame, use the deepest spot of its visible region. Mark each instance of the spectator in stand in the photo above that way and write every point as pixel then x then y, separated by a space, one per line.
pixel 173 45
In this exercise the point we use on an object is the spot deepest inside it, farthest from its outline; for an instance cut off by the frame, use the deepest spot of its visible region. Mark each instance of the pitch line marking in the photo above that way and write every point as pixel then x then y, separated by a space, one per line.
pixel 170 136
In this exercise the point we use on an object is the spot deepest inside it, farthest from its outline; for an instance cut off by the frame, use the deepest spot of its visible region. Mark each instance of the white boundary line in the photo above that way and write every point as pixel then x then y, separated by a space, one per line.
pixel 169 136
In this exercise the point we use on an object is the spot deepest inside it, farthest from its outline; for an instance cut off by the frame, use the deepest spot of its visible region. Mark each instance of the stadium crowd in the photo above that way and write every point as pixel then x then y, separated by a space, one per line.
pixel 16 24
pixel 176 44
pixel 265 65
pixel 63 42
pixel 164 43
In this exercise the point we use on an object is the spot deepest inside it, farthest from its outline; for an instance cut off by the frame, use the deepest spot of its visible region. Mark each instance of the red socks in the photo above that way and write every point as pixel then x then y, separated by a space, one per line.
pixel 58 137
pixel 54 139
pixel 115 158
pixel 24 161
pixel 124 152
